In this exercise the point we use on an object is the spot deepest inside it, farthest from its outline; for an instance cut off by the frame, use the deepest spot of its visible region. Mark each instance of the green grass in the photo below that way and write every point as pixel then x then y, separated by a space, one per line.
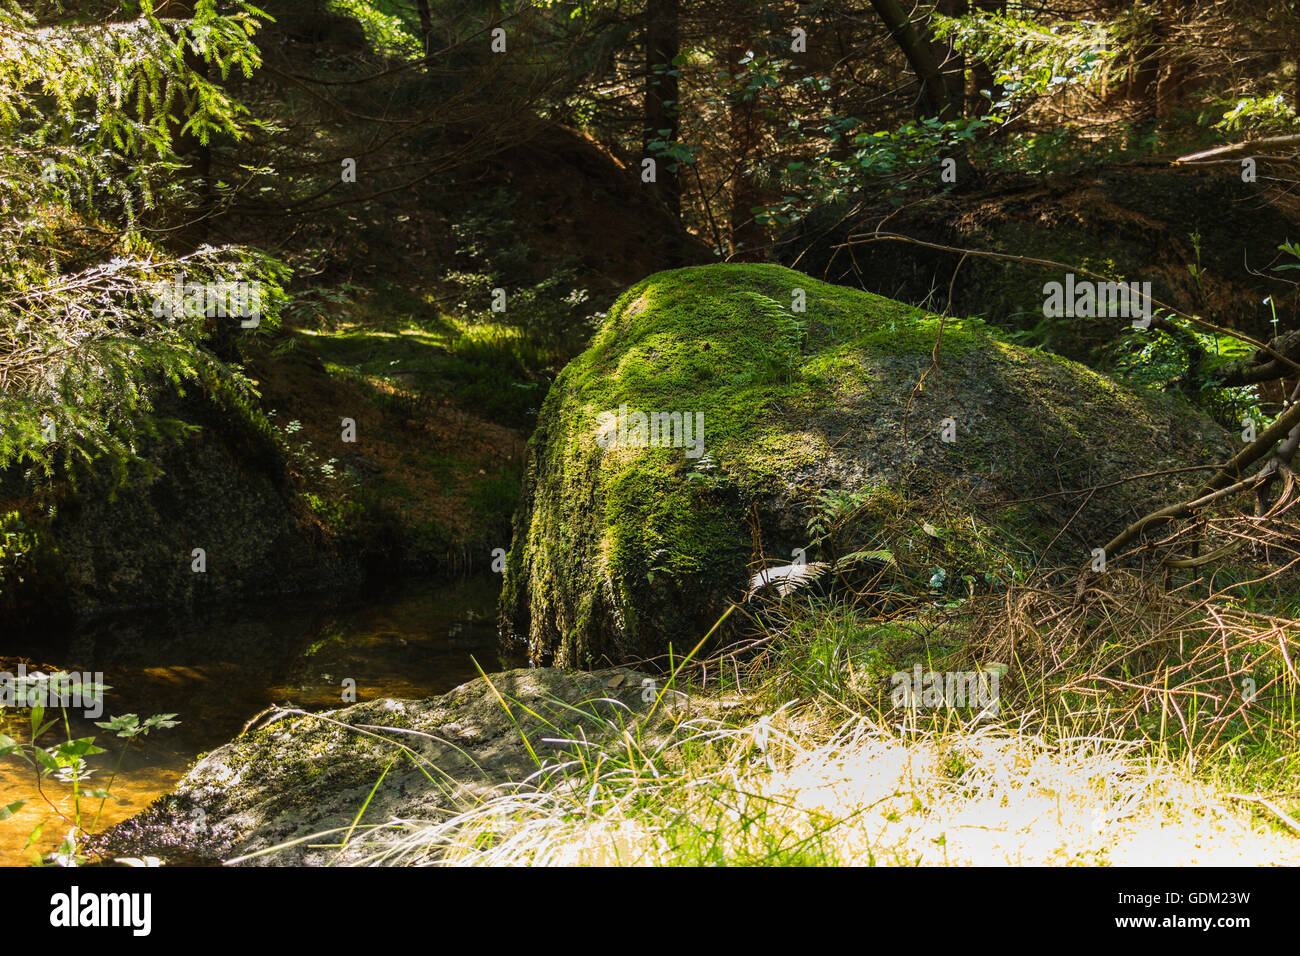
pixel 488 368
pixel 786 758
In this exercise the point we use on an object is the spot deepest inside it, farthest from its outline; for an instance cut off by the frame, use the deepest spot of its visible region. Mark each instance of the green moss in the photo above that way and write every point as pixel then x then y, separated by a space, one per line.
pixel 618 547
pixel 392 338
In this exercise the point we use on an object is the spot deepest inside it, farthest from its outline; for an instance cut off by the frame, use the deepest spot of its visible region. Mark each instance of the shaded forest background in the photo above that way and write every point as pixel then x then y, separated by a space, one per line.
pixel 384 166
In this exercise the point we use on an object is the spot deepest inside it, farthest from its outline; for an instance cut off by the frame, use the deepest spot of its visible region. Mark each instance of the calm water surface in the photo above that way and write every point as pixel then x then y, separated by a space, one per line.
pixel 217 668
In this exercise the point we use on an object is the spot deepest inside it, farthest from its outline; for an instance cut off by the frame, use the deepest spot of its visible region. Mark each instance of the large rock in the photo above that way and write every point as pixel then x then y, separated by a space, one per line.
pixel 621 551
pixel 110 547
pixel 301 776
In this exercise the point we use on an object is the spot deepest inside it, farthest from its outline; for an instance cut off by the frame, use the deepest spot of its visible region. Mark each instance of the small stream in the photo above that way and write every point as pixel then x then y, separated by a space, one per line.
pixel 217 668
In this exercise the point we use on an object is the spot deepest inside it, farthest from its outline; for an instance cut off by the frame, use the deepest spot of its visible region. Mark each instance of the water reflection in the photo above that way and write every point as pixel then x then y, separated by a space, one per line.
pixel 218 667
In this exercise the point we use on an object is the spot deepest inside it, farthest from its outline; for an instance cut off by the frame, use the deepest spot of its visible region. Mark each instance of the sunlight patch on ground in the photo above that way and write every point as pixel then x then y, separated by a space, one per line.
pixel 870 797
pixel 994 799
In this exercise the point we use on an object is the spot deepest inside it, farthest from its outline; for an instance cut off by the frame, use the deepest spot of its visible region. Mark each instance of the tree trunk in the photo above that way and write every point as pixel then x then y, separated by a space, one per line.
pixel 662 116
pixel 1173 78
pixel 952 63
pixel 744 129
pixel 934 99
pixel 981 75
pixel 426 27
pixel 1144 78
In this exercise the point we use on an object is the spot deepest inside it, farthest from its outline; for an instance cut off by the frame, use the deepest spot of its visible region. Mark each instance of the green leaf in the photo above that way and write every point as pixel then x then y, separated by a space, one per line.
pixel 124 725
pixel 45 760
pixel 35 834
pixel 878 555
pixel 82 747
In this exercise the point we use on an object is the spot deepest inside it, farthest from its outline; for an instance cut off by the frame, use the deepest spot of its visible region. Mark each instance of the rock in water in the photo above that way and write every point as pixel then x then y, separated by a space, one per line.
pixel 717 403
pixel 297 782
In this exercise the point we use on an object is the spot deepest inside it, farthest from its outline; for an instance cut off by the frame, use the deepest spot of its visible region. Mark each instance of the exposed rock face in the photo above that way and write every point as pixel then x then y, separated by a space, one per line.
pixel 111 548
pixel 298 776
pixel 622 549
pixel 135 551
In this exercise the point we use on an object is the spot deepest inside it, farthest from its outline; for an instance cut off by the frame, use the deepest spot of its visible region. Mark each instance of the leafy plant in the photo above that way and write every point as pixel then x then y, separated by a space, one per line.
pixel 66 760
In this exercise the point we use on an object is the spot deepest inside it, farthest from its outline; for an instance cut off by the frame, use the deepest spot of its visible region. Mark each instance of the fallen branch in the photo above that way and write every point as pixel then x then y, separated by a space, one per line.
pixel 1263 444
pixel 1173 512
pixel 1249 145
pixel 863 238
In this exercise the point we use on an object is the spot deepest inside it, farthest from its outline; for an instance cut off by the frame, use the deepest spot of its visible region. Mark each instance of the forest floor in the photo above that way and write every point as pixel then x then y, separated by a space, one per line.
pixel 612 767
pixel 424 451
pixel 853 790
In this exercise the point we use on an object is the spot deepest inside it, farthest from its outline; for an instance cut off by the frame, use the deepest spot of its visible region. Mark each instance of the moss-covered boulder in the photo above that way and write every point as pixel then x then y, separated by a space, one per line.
pixel 967 472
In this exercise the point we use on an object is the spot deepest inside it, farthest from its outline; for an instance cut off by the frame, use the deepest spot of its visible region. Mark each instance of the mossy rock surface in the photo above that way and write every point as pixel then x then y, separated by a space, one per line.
pixel 109 547
pixel 301 776
pixel 620 552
